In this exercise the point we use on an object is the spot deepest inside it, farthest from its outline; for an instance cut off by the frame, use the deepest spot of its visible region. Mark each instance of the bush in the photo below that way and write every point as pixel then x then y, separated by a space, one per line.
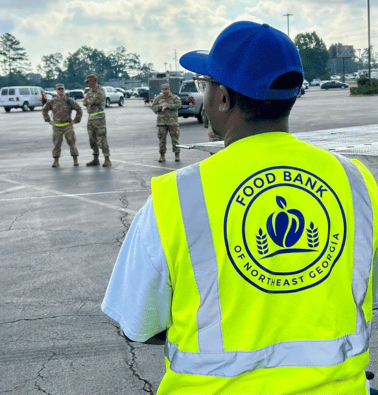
pixel 366 89
pixel 362 81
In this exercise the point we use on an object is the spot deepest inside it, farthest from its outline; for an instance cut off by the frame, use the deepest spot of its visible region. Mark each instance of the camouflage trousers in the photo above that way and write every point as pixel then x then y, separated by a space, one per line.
pixel 69 134
pixel 174 132
pixel 97 135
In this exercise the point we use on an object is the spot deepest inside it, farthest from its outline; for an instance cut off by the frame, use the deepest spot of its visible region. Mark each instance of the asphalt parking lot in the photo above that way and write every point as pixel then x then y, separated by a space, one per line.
pixel 61 231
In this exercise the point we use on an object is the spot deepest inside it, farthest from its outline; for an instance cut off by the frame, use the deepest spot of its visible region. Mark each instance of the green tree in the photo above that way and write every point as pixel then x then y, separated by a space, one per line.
pixel 133 65
pixel 144 72
pixel 82 62
pixel 314 55
pixel 118 64
pixel 50 68
pixel 13 58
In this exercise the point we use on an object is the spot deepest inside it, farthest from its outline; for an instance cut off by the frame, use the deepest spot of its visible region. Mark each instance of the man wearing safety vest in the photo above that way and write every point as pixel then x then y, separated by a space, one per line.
pixel 258 260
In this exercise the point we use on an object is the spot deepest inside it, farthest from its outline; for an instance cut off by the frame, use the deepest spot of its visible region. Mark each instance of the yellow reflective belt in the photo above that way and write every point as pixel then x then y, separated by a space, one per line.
pixel 95 113
pixel 62 124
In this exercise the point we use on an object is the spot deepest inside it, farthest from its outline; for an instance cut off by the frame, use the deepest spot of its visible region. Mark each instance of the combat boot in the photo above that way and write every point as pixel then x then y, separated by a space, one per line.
pixel 162 158
pixel 56 162
pixel 76 163
pixel 107 162
pixel 177 157
pixel 94 162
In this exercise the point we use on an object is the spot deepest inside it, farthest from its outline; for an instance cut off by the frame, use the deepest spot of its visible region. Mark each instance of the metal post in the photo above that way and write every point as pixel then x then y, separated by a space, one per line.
pixel 175 58
pixel 288 29
pixel 369 49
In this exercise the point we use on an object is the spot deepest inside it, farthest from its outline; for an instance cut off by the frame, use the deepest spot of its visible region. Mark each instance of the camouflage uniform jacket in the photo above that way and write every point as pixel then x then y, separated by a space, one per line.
pixel 95 101
pixel 62 110
pixel 170 115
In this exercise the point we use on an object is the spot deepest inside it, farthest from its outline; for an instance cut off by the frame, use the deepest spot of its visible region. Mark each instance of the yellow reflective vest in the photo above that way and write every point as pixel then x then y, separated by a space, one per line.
pixel 269 245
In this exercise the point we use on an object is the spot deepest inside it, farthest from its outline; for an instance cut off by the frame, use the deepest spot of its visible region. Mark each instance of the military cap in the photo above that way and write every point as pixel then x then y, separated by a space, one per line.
pixel 165 88
pixel 57 86
pixel 90 77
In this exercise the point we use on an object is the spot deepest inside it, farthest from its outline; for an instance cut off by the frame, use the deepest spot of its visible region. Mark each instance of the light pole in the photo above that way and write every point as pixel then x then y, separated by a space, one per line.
pixel 359 57
pixel 369 49
pixel 288 16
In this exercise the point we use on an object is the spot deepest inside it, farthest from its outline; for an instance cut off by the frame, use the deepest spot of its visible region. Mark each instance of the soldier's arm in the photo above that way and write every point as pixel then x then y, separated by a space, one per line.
pixel 79 111
pixel 85 101
pixel 176 103
pixel 45 111
pixel 156 106
pixel 96 98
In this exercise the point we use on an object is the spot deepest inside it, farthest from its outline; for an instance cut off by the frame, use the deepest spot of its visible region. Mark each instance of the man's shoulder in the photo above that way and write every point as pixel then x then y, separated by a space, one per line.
pixel 166 179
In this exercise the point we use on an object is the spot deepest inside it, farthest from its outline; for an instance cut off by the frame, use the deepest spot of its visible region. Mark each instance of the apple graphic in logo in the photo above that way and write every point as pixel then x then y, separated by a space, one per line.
pixel 285 227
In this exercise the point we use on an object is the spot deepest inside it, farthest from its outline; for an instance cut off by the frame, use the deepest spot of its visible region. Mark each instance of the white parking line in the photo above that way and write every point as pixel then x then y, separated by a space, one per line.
pixel 60 194
pixel 141 164
pixel 12 189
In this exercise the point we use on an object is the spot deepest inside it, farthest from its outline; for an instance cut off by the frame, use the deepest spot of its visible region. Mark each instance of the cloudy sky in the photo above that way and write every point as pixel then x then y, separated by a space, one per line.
pixel 155 29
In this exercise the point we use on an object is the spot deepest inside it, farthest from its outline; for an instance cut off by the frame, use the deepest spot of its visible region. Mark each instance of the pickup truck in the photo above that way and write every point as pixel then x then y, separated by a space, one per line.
pixel 191 101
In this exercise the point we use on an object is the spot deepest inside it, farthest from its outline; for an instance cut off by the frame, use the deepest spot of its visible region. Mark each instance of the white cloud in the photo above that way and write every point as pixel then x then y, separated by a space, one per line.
pixel 155 29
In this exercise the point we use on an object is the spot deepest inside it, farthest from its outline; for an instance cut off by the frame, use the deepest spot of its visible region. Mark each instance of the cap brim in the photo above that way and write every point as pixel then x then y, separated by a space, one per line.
pixel 195 61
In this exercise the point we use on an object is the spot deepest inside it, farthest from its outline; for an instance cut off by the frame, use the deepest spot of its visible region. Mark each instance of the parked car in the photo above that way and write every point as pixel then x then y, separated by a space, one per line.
pixel 112 96
pixel 51 94
pixel 24 97
pixel 333 85
pixel 129 93
pixel 122 91
pixel 143 92
pixel 86 90
pixel 76 94
pixel 306 84
pixel 303 91
pixel 335 77
pixel 316 82
pixel 191 101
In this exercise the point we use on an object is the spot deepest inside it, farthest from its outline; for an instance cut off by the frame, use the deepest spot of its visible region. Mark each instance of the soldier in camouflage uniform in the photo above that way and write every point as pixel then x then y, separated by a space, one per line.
pixel 95 103
pixel 62 123
pixel 166 107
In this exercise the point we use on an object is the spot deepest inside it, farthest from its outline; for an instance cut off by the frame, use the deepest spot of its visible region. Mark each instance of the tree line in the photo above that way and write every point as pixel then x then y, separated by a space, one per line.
pixel 320 62
pixel 71 71
pixel 317 60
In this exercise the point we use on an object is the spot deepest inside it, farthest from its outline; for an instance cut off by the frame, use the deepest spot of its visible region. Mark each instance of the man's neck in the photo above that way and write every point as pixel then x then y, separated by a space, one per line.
pixel 239 129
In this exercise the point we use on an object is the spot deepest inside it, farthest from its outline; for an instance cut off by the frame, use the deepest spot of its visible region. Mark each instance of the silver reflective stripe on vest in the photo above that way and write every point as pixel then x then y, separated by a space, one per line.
pixel 363 236
pixel 202 257
pixel 320 353
pixel 212 360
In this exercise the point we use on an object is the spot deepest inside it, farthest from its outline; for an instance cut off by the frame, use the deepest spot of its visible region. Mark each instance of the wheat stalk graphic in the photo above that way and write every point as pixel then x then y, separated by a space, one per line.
pixel 312 236
pixel 262 243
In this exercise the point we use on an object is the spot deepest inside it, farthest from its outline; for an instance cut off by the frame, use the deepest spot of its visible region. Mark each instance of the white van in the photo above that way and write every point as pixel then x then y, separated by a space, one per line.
pixel 25 97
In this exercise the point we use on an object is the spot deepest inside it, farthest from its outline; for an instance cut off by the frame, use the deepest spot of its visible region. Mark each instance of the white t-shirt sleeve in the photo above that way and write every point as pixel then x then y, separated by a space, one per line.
pixel 139 292
pixel 375 280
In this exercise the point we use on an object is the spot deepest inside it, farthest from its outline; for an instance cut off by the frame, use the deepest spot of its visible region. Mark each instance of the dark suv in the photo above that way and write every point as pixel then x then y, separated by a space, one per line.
pixel 76 94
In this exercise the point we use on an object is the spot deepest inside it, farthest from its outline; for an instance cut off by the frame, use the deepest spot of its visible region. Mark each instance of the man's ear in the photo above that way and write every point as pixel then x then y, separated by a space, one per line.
pixel 225 99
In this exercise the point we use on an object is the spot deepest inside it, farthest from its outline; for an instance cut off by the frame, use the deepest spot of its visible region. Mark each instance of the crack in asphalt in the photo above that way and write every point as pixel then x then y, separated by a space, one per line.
pixel 124 219
pixel 140 179
pixel 36 385
pixel 50 318
pixel 147 386
pixel 17 217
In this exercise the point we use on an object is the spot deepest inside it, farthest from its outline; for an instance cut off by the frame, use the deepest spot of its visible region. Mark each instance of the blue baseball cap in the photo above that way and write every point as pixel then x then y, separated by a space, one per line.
pixel 247 57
